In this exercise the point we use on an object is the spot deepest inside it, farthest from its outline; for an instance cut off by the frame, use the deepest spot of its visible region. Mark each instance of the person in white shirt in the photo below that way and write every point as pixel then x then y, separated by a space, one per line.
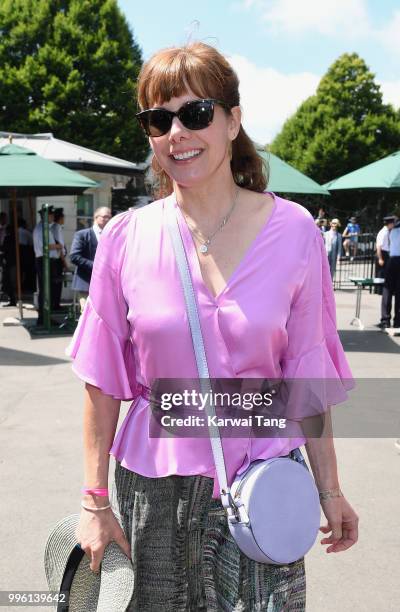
pixel 382 249
pixel 392 281
pixel 382 245
pixel 54 248
pixel 60 263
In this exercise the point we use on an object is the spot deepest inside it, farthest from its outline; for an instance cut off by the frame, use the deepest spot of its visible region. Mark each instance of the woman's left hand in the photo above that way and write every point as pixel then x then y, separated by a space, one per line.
pixel 342 523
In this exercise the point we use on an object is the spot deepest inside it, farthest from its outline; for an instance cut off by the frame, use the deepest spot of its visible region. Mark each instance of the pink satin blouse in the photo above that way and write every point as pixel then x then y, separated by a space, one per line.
pixel 274 318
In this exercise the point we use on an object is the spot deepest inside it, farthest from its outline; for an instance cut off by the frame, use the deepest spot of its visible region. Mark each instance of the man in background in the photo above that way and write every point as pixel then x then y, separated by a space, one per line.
pixel 392 281
pixel 382 249
pixel 83 250
pixel 60 263
pixel 54 248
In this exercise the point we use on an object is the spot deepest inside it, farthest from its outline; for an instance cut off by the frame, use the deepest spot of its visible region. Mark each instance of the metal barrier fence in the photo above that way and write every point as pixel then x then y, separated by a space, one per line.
pixel 359 263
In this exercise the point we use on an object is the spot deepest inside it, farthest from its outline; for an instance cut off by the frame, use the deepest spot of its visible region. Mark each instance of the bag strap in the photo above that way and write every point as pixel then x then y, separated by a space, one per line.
pixel 198 345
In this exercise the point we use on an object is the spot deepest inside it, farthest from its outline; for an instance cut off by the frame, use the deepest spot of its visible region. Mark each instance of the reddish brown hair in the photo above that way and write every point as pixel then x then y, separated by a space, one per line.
pixel 201 68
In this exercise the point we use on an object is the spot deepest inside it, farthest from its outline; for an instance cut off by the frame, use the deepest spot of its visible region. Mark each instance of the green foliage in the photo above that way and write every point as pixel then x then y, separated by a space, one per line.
pixel 70 67
pixel 345 125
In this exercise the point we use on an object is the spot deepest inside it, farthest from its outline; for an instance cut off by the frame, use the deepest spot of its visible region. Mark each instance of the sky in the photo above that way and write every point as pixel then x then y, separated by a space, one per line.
pixel 279 48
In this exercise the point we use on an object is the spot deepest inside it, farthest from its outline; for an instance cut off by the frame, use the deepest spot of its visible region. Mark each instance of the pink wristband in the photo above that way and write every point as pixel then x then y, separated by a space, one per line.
pixel 99 492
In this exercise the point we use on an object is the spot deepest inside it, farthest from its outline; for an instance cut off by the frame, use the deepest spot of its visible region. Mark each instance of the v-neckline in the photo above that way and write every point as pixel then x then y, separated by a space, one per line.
pixel 193 257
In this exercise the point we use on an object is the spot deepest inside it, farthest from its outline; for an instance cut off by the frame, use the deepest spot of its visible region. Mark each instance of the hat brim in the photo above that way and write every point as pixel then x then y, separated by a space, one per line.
pixel 109 591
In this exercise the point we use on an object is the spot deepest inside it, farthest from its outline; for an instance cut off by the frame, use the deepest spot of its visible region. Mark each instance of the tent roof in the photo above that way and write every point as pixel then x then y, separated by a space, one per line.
pixel 381 174
pixel 29 173
pixel 283 177
pixel 71 155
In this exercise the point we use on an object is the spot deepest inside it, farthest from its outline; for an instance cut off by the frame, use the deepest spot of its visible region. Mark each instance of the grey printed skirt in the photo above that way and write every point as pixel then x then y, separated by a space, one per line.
pixel 185 559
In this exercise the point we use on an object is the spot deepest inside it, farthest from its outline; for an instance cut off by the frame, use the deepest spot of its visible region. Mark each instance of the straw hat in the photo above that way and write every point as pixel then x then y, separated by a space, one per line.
pixel 68 569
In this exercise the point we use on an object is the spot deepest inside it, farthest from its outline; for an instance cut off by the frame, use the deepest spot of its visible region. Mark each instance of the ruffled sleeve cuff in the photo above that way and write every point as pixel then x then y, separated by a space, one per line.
pixel 101 358
pixel 317 379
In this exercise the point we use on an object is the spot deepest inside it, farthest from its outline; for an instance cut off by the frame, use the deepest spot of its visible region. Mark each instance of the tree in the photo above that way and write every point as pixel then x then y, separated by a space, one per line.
pixel 70 67
pixel 345 125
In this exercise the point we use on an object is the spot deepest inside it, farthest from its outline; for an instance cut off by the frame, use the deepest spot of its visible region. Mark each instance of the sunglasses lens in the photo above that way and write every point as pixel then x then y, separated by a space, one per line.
pixel 156 122
pixel 197 115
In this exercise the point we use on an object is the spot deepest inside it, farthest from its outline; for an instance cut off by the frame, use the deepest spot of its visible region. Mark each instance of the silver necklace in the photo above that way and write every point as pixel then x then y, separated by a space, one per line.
pixel 207 241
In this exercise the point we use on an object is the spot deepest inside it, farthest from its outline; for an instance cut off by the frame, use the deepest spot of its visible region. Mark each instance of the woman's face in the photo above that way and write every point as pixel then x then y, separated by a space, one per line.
pixel 206 151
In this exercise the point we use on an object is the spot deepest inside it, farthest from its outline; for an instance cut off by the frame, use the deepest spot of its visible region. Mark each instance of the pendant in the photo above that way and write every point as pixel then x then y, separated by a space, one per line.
pixel 203 248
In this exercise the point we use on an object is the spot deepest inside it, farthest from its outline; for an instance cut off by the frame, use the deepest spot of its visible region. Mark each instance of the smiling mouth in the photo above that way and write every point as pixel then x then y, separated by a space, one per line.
pixel 186 155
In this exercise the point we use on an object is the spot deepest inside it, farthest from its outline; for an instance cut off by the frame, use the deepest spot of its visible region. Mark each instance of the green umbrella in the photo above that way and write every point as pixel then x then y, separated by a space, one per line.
pixel 285 178
pixel 23 173
pixel 31 174
pixel 382 174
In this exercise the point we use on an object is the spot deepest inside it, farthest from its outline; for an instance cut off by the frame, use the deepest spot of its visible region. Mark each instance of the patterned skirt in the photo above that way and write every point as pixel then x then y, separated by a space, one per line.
pixel 185 559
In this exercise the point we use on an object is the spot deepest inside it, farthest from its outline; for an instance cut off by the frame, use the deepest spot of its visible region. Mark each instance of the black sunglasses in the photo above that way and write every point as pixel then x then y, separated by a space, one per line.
pixel 194 115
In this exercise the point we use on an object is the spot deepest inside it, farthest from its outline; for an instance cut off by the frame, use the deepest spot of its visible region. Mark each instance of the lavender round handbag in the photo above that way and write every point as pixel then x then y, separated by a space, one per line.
pixel 276 512
pixel 273 507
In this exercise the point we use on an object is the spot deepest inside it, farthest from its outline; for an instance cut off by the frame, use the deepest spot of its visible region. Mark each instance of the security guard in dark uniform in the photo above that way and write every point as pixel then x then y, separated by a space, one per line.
pixel 382 250
pixel 392 281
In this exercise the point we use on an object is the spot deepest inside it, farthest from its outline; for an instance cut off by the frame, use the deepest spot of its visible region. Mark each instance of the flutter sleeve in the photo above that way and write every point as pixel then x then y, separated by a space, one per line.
pixel 314 358
pixel 101 347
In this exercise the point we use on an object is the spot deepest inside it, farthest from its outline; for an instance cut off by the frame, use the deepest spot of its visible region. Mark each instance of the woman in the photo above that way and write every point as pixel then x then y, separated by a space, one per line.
pixel 260 319
pixel 333 245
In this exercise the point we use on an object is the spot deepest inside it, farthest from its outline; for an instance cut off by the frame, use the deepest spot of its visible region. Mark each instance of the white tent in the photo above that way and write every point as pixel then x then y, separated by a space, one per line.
pixel 71 155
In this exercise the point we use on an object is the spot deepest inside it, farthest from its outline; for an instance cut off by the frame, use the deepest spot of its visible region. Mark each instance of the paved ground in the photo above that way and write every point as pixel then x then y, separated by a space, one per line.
pixel 41 468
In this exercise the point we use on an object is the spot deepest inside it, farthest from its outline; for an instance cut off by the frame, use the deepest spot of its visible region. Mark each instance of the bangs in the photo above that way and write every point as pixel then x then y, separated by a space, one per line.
pixel 174 72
